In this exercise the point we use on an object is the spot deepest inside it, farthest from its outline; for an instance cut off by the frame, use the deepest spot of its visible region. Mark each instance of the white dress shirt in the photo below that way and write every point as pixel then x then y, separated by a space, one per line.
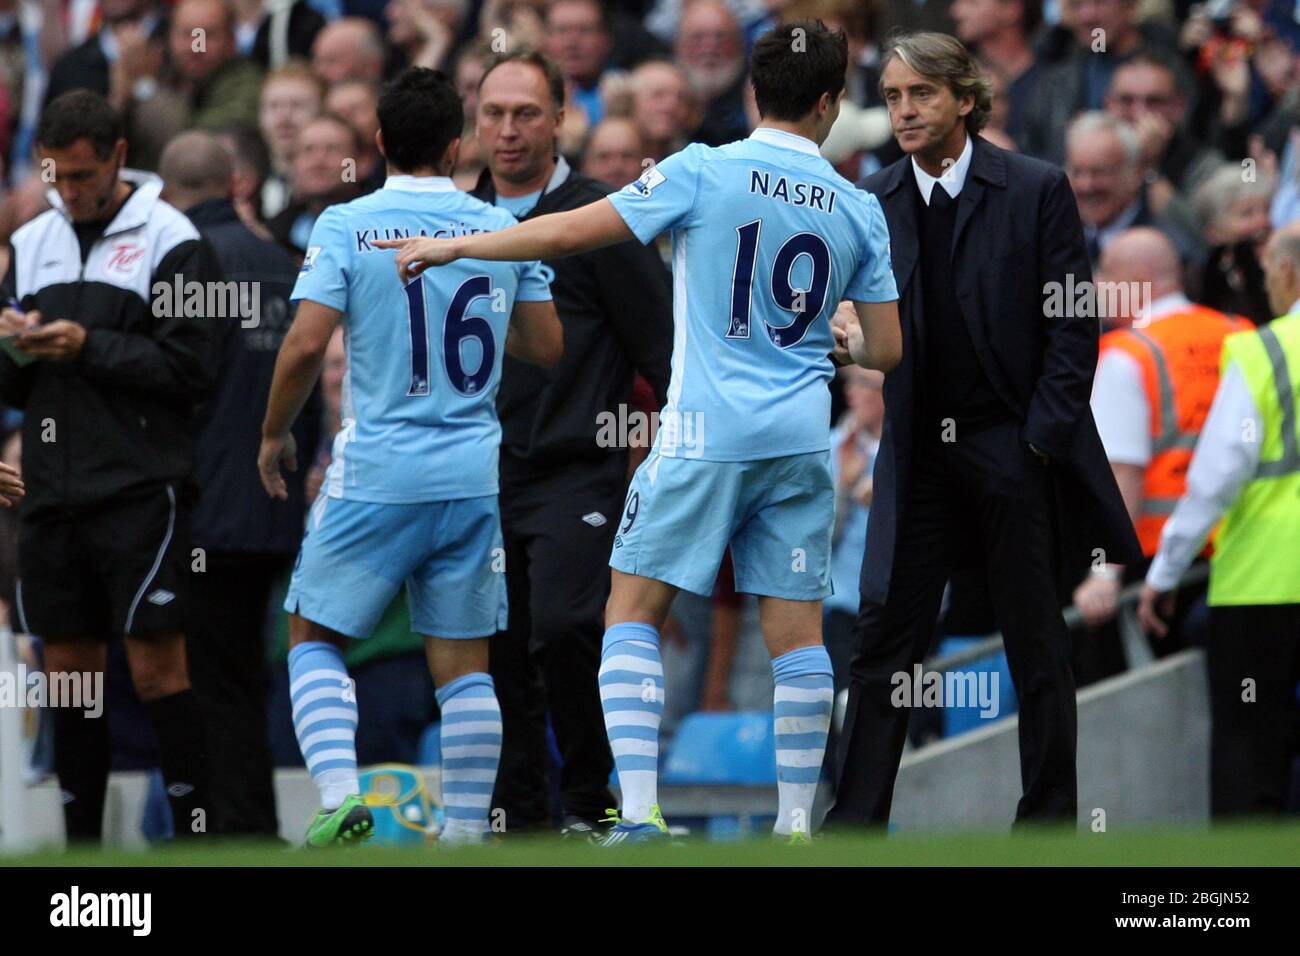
pixel 1120 404
pixel 1221 465
pixel 952 179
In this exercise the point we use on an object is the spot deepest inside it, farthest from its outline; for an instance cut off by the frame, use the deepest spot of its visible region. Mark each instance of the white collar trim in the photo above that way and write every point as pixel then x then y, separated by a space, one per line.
pixel 420 184
pixel 953 178
pixel 779 137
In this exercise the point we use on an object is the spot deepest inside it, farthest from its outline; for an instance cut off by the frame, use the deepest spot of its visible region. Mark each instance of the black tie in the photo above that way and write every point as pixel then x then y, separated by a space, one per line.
pixel 940 201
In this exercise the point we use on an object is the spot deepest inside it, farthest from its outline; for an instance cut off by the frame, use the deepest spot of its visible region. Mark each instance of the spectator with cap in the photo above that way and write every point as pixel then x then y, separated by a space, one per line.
pixel 855 134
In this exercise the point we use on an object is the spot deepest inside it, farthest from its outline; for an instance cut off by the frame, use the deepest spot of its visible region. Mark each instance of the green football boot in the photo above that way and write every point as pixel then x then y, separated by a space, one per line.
pixel 350 823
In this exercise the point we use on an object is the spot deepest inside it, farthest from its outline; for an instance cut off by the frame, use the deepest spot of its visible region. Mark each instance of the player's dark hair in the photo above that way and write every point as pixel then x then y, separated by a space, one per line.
pixel 420 113
pixel 533 58
pixel 793 65
pixel 76 115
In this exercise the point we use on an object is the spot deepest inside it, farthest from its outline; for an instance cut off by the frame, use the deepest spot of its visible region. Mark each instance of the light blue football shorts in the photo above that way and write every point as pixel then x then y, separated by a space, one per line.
pixel 356 554
pixel 778 515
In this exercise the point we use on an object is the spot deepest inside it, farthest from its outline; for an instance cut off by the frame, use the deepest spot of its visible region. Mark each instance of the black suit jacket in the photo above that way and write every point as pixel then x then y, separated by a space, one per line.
pixel 1017 229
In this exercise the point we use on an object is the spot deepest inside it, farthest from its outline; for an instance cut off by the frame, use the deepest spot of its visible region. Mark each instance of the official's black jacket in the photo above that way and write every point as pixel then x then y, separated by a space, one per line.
pixel 119 419
pixel 615 305
pixel 234 513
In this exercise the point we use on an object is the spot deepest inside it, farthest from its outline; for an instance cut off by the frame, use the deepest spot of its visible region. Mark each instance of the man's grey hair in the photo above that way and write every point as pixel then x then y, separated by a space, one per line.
pixel 1226 187
pixel 1097 121
pixel 939 56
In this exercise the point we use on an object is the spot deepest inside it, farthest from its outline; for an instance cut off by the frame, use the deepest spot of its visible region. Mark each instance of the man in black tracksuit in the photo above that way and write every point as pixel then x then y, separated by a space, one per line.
pixel 109 376
pixel 561 489
pixel 248 539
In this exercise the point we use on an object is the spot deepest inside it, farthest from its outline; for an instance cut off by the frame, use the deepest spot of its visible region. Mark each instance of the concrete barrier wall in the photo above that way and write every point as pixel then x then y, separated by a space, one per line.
pixel 1144 746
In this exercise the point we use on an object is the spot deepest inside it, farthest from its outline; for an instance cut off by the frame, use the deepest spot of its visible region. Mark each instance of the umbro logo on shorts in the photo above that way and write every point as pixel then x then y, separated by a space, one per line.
pixel 180 789
pixel 594 518
pixel 160 597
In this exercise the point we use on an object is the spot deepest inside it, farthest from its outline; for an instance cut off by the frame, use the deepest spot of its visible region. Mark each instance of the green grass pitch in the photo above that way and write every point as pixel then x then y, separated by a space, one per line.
pixel 1247 845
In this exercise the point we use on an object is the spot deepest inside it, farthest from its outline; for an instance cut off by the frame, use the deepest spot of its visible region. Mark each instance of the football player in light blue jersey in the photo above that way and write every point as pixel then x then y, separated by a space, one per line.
pixel 767 241
pixel 411 492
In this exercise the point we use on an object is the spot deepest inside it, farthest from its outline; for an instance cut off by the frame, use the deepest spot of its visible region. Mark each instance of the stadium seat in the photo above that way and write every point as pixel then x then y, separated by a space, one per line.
pixel 722 749
pixel 429 751
pixel 959 720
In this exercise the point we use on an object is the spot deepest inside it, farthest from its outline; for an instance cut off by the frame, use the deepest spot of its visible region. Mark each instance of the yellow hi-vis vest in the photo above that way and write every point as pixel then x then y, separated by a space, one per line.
pixel 1257 553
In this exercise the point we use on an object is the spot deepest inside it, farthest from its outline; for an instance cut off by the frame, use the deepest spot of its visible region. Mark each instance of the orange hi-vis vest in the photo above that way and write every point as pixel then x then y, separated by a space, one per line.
pixel 1179 357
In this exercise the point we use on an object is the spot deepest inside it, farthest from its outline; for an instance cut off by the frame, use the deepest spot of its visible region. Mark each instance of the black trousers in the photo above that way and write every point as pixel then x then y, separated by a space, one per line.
pixel 228 668
pixel 558 531
pixel 1253 662
pixel 989 492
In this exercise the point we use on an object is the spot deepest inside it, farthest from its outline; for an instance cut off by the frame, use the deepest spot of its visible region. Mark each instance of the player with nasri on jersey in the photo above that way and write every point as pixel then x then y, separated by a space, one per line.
pixel 767 241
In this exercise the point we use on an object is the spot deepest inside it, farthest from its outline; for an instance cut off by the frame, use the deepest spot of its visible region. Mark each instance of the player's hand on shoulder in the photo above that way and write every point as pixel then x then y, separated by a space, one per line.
pixel 416 254
pixel 274 451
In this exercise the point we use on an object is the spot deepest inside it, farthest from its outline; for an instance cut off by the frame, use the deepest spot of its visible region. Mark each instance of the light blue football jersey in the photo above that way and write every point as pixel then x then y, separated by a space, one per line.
pixel 767 240
pixel 419 419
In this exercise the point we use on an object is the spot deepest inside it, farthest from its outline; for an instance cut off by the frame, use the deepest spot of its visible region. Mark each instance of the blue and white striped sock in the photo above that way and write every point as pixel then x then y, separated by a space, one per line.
pixel 471 752
pixel 632 697
pixel 325 719
pixel 801 714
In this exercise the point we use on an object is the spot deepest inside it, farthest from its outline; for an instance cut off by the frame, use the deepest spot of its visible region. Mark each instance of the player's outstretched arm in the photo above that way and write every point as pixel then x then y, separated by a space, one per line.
pixel 302 353
pixel 535 334
pixel 546 237
pixel 881 344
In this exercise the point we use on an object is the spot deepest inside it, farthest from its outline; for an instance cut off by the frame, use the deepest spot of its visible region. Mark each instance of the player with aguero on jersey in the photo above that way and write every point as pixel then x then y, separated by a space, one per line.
pixel 411 492
pixel 767 240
